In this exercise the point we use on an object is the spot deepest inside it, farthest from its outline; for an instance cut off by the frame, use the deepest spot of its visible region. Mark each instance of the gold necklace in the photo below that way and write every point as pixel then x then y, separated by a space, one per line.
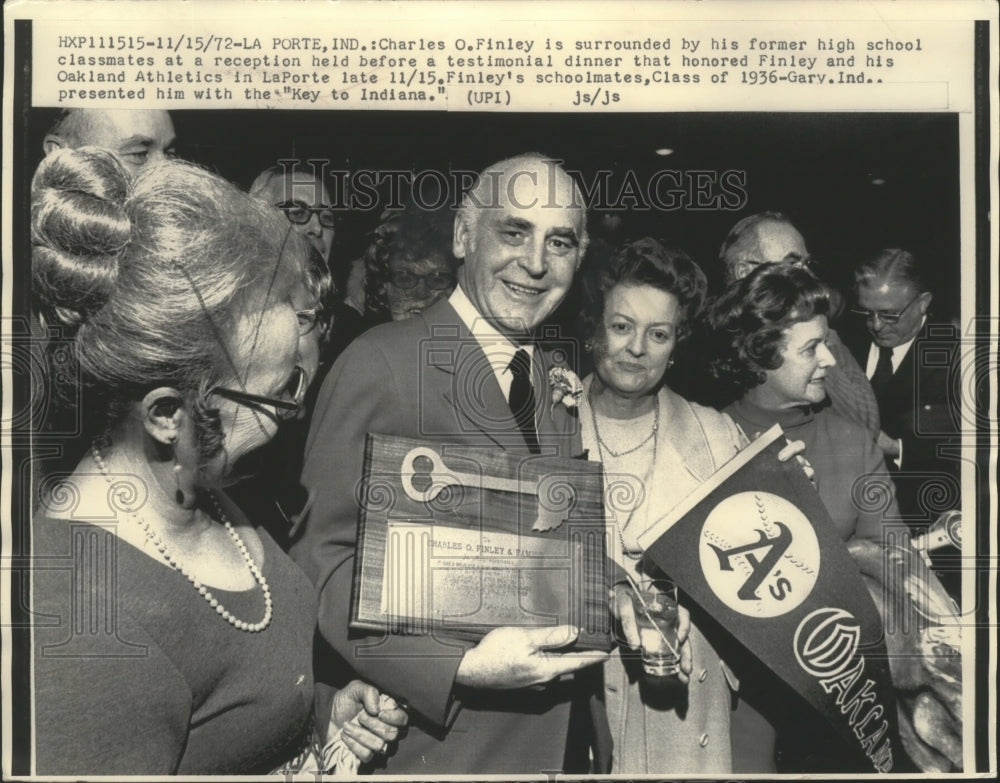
pixel 203 591
pixel 652 433
pixel 601 446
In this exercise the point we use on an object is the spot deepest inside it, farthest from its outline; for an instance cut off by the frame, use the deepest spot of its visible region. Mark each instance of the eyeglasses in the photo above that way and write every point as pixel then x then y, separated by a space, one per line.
pixel 285 407
pixel 435 281
pixel 792 259
pixel 797 261
pixel 886 318
pixel 299 213
pixel 308 320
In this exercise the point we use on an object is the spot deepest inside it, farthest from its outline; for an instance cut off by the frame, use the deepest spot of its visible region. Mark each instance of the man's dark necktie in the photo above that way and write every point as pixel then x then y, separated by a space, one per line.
pixel 883 371
pixel 522 398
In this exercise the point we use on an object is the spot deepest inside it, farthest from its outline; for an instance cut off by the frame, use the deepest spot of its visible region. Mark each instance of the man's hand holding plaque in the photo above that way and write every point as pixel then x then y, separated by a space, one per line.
pixel 522 657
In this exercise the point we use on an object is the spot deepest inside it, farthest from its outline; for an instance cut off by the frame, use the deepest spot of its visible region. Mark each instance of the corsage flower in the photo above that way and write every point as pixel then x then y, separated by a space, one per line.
pixel 566 387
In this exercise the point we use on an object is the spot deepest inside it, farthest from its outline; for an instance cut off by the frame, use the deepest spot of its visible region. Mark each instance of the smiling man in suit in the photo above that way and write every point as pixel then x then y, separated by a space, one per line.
pixel 466 371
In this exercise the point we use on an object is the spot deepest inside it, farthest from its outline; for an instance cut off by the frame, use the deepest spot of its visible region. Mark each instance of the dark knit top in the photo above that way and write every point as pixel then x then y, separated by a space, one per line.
pixel 134 672
pixel 850 470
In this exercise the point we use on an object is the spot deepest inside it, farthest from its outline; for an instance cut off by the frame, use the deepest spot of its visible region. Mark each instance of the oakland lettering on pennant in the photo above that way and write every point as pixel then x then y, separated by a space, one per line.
pixel 826 646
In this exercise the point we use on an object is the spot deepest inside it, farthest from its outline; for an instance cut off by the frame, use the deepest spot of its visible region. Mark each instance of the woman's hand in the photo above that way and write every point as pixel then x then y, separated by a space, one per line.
pixel 367 720
pixel 889 446
pixel 623 608
pixel 796 449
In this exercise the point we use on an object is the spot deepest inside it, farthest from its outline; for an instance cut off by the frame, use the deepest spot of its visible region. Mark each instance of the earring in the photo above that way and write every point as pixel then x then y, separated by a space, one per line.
pixel 670 363
pixel 179 495
pixel 588 346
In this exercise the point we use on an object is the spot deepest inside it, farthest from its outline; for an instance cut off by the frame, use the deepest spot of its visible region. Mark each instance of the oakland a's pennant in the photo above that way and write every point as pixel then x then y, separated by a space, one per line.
pixel 756 549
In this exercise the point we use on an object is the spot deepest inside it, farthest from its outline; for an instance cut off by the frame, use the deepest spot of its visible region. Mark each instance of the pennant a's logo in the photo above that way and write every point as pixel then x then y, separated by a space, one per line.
pixel 759 554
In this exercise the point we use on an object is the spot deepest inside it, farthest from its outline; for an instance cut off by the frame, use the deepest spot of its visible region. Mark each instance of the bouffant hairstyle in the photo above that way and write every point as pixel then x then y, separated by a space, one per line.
pixel 647 261
pixel 411 233
pixel 149 276
pixel 319 284
pixel 745 326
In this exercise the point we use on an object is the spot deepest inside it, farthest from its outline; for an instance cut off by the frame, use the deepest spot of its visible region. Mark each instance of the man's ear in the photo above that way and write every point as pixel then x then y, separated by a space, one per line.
pixel 163 414
pixel 459 237
pixel 53 142
pixel 925 302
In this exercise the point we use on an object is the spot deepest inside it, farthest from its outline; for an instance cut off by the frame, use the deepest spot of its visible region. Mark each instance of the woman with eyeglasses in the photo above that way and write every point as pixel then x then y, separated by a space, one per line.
pixel 172 637
pixel 268 488
pixel 409 265
pixel 766 340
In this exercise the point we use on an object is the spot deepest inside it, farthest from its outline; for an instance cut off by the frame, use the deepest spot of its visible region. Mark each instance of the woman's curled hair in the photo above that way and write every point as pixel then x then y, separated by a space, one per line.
pixel 744 327
pixel 150 275
pixel 647 261
pixel 79 231
pixel 410 234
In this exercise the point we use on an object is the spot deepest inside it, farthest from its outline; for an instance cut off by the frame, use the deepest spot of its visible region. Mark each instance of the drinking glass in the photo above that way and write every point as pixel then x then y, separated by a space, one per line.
pixel 656 618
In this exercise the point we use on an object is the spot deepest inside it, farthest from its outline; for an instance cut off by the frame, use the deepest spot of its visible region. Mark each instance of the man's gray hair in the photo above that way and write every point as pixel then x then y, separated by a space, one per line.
pixel 892 264
pixel 738 246
pixel 485 191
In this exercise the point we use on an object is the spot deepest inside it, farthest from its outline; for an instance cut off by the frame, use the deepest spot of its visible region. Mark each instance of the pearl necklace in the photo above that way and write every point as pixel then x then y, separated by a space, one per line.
pixel 602 446
pixel 203 591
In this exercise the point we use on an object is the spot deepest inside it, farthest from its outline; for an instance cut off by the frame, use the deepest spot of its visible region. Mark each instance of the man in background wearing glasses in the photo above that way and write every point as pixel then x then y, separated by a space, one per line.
pixel 304 199
pixel 770 238
pixel 917 417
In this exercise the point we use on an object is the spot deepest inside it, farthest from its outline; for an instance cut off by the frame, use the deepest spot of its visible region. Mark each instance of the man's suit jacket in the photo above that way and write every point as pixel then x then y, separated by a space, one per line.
pixel 427 378
pixel 917 406
pixel 850 392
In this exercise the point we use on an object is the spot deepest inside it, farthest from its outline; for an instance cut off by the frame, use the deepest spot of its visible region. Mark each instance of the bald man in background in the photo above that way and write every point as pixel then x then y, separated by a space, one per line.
pixel 136 136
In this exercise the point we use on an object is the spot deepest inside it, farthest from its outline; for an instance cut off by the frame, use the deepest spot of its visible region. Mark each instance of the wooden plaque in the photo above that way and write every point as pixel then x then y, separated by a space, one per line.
pixel 461 540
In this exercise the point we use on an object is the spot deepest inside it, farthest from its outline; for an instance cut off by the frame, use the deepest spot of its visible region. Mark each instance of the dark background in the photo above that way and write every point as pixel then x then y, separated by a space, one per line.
pixel 816 167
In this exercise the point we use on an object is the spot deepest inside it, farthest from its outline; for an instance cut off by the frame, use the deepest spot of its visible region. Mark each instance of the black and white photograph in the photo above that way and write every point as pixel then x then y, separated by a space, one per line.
pixel 438 403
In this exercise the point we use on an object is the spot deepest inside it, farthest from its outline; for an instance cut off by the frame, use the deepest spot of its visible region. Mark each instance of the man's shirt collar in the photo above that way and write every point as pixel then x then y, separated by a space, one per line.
pixel 498 347
pixel 898 352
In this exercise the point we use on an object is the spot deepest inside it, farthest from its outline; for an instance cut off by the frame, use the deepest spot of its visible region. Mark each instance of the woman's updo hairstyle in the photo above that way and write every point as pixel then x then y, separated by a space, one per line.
pixel 150 275
pixel 79 230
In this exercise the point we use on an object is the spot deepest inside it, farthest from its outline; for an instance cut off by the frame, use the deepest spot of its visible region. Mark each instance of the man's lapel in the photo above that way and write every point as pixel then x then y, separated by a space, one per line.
pixel 901 385
pixel 468 385
pixel 558 426
pixel 903 376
